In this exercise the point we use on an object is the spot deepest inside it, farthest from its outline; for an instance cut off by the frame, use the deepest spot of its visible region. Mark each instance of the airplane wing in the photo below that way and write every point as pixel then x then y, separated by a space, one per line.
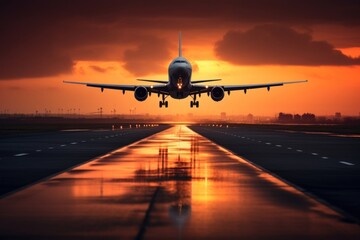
pixel 159 88
pixel 203 88
pixel 154 81
pixel 206 80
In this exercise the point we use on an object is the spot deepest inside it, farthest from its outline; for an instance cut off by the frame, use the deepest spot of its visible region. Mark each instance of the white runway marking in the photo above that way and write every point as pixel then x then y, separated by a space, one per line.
pixel 73 143
pixel 268 143
pixel 83 141
pixel 259 141
pixel 50 148
pixel 64 145
pixel 20 154
pixel 278 145
pixel 39 150
pixel 325 158
pixel 347 163
pixel 299 150
pixel 315 154
pixel 289 148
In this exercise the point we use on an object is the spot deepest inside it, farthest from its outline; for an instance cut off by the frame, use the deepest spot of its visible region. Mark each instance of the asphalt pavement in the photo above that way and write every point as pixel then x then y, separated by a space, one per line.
pixel 175 184
pixel 324 165
pixel 28 158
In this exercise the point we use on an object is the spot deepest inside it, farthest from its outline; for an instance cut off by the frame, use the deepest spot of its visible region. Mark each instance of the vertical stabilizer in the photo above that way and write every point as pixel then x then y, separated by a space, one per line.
pixel 180 45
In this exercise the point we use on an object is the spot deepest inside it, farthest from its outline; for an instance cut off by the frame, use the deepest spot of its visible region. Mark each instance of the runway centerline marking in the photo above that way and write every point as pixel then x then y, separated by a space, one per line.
pixel 325 158
pixel 278 145
pixel 63 145
pixel 21 154
pixel 299 150
pixel 73 143
pixel 347 163
pixel 315 154
pixel 38 150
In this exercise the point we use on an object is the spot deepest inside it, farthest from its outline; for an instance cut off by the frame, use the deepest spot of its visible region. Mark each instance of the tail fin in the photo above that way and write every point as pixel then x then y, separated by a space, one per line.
pixel 180 45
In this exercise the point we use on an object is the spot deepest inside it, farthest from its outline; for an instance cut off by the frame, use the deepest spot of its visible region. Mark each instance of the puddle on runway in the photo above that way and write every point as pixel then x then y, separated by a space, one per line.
pixel 173 185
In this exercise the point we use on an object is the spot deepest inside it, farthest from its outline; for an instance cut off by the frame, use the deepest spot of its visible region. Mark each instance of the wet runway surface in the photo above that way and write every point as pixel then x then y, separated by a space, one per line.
pixel 325 165
pixel 173 185
pixel 27 158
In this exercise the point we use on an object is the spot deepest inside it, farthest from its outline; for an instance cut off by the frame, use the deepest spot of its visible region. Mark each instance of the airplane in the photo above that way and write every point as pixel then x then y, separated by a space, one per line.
pixel 180 86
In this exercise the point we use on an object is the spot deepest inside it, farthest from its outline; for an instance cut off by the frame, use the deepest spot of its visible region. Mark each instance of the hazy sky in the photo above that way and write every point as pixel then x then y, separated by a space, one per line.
pixel 45 42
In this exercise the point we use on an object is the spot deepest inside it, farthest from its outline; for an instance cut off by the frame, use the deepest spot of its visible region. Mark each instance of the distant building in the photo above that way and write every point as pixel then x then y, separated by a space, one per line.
pixel 337 116
pixel 250 118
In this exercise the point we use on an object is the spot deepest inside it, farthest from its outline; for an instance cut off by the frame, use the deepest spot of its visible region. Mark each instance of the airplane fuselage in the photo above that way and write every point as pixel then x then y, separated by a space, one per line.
pixel 180 71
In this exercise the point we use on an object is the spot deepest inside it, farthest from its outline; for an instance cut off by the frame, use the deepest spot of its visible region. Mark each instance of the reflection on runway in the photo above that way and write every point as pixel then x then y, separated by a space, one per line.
pixel 173 185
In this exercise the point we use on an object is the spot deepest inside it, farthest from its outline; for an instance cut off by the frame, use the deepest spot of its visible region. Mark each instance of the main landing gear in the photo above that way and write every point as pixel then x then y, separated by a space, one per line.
pixel 163 102
pixel 194 102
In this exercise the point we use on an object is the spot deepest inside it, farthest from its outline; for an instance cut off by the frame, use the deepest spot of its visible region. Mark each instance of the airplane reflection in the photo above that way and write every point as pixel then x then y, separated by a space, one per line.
pixel 173 173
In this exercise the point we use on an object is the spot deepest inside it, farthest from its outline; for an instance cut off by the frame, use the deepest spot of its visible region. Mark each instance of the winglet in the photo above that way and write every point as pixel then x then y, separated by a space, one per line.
pixel 180 45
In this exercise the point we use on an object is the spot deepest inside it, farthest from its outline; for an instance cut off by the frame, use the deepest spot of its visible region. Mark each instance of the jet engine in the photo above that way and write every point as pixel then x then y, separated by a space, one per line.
pixel 217 93
pixel 141 93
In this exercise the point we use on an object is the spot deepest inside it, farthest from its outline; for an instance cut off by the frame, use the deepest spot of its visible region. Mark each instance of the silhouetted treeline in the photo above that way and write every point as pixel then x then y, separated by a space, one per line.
pixel 311 118
pixel 297 118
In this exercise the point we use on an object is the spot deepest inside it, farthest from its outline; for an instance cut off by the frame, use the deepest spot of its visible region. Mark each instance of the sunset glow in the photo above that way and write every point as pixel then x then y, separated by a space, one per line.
pixel 109 51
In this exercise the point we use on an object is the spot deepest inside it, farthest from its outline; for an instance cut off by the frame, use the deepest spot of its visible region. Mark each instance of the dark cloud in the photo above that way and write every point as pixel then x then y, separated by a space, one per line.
pixel 43 38
pixel 274 44
pixel 254 11
pixel 150 56
pixel 24 60
pixel 101 69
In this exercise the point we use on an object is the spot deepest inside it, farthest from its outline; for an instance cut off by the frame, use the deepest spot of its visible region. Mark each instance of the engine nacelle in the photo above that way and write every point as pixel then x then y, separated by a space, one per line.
pixel 217 93
pixel 141 93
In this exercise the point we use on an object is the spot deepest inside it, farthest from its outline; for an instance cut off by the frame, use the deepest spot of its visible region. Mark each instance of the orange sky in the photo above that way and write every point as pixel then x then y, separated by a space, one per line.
pixel 332 87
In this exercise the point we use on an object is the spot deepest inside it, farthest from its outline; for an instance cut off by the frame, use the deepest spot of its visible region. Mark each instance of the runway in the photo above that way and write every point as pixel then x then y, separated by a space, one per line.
pixel 29 157
pixel 323 164
pixel 175 184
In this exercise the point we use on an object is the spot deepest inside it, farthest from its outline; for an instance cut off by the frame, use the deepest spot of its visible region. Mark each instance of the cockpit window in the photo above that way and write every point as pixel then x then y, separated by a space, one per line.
pixel 180 61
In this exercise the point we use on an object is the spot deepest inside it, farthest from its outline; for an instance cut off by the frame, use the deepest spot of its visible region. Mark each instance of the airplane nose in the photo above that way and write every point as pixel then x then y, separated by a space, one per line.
pixel 181 73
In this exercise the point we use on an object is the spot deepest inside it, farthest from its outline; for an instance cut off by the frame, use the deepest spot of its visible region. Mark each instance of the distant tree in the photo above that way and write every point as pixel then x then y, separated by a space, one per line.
pixel 308 118
pixel 297 118
pixel 285 117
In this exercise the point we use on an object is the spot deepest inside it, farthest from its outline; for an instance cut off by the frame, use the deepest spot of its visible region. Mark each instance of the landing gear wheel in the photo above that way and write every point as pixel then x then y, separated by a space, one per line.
pixel 191 104
pixel 197 104
pixel 160 104
pixel 166 104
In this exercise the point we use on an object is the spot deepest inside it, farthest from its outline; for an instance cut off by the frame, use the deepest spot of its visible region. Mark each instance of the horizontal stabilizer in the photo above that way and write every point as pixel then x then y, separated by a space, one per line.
pixel 154 81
